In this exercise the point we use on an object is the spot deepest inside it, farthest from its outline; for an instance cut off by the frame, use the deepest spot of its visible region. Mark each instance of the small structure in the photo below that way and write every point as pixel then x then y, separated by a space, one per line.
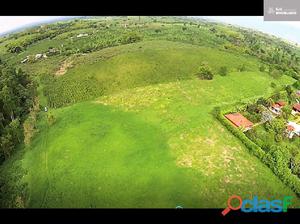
pixel 239 121
pixel 52 51
pixel 40 56
pixel 298 93
pixel 296 109
pixel 25 60
pixel 82 35
pixel 293 129
pixel 276 107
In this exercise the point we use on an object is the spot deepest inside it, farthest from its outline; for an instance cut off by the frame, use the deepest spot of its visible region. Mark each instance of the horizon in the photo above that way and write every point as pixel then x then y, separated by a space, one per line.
pixel 288 30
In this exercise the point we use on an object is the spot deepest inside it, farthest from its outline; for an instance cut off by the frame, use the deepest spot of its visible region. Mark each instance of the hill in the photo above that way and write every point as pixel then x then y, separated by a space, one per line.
pixel 129 120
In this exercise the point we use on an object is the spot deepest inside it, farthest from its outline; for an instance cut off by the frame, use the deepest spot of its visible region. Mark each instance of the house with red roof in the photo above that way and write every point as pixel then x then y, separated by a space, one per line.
pixel 238 120
pixel 276 107
pixel 296 109
pixel 293 129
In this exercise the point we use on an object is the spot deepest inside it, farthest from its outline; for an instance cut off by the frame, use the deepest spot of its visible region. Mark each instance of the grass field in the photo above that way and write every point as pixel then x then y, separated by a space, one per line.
pixel 136 65
pixel 153 146
pixel 134 124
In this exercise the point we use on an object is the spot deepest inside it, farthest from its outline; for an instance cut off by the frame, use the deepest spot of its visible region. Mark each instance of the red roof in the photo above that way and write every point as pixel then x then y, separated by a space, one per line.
pixel 276 105
pixel 290 128
pixel 239 120
pixel 296 106
pixel 281 103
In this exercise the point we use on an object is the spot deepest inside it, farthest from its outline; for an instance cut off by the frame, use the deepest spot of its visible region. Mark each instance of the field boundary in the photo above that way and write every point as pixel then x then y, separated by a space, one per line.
pixel 283 173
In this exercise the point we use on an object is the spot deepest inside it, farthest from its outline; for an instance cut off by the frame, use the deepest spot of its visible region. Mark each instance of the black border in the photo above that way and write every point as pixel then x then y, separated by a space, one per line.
pixel 150 7
pixel 159 8
pixel 189 216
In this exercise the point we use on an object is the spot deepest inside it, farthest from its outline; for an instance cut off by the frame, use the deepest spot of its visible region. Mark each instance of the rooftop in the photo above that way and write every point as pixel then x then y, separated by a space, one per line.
pixel 239 120
pixel 296 106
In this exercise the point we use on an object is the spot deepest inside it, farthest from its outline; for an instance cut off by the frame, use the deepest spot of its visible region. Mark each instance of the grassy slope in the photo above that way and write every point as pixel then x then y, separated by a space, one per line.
pixel 139 64
pixel 153 146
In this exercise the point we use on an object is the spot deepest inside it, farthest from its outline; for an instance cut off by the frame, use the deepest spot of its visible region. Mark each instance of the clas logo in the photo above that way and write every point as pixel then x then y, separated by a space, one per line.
pixel 256 205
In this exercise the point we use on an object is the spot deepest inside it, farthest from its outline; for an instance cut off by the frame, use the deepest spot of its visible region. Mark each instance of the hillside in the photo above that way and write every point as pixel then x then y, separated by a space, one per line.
pixel 129 119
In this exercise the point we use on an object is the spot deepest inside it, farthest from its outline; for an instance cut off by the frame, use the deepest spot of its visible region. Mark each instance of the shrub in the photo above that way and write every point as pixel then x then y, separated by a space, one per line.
pixel 205 72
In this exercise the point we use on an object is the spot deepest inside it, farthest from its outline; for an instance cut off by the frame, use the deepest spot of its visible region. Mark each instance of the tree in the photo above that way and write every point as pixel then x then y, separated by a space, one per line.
pixel 276 96
pixel 295 164
pixel 15 130
pixel 6 145
pixel 289 89
pixel 16 96
pixel 223 71
pixel 262 101
pixel 131 37
pixel 278 126
pixel 205 72
pixel 285 112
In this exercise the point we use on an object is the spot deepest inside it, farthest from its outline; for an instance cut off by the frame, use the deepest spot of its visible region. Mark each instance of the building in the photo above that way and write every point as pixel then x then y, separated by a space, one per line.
pixel 276 107
pixel 293 129
pixel 239 121
pixel 82 35
pixel 296 109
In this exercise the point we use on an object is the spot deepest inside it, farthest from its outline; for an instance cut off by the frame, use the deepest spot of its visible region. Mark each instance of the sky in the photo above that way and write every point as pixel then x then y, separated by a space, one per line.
pixel 9 23
pixel 286 30
pixel 289 30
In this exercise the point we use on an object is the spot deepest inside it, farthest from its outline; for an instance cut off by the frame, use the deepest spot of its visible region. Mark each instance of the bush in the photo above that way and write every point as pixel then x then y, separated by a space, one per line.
pixel 205 72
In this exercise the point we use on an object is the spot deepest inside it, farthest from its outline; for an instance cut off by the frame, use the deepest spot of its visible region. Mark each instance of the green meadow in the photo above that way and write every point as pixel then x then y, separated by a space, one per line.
pixel 153 146
pixel 133 123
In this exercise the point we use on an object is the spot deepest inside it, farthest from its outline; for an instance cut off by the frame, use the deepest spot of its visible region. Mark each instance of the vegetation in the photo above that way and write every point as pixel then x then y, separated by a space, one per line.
pixel 205 72
pixel 16 96
pixel 130 108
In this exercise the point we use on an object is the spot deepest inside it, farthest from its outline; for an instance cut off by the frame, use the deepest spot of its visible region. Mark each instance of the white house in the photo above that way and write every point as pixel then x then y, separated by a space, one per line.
pixel 276 107
pixel 296 109
pixel 82 35
pixel 293 129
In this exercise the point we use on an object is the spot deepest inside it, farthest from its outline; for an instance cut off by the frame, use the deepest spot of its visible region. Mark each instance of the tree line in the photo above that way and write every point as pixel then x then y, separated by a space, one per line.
pixel 17 93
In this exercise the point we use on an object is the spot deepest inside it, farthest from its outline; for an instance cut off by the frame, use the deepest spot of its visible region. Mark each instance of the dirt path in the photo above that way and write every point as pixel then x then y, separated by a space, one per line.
pixel 68 63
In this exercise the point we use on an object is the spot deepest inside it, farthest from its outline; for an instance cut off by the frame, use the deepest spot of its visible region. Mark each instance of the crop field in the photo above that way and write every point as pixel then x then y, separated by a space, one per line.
pixel 139 64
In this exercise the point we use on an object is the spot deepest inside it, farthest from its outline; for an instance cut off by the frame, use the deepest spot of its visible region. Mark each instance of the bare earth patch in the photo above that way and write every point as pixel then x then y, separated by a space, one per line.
pixel 64 67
